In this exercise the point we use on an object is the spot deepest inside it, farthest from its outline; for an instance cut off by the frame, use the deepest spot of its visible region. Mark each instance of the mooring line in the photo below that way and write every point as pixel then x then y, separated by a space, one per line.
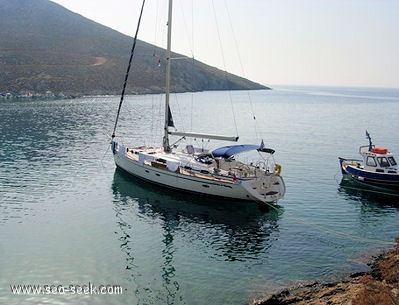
pixel 333 232
pixel 337 233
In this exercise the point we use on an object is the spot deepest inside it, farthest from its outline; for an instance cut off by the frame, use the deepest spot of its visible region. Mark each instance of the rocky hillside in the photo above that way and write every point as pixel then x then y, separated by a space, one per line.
pixel 47 48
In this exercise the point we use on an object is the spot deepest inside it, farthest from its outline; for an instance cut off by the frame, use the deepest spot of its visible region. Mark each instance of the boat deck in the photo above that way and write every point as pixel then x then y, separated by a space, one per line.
pixel 227 172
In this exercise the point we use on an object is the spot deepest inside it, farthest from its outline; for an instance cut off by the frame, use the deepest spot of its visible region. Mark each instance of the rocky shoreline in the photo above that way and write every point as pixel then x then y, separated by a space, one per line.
pixel 380 286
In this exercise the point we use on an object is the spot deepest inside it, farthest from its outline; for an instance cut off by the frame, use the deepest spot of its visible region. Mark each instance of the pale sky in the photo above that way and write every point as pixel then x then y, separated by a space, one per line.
pixel 273 42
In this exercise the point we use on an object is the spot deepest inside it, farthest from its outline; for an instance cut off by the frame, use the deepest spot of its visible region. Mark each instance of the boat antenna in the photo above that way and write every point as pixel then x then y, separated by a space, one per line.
pixel 127 71
pixel 369 138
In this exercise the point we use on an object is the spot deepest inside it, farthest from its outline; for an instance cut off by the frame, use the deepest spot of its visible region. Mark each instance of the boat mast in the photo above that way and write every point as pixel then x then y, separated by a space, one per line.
pixel 166 146
pixel 168 115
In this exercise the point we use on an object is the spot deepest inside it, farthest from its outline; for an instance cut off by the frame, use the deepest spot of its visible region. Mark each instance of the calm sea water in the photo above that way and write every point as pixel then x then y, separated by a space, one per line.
pixel 68 217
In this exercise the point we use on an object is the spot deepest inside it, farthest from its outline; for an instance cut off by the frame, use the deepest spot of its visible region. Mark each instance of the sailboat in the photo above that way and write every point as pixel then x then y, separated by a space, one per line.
pixel 218 172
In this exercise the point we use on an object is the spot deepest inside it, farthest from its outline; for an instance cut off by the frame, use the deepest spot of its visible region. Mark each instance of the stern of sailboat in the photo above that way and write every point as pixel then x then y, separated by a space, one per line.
pixel 266 189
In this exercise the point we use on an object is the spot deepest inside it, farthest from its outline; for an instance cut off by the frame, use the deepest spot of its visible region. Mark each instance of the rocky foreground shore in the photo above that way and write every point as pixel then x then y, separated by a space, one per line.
pixel 380 286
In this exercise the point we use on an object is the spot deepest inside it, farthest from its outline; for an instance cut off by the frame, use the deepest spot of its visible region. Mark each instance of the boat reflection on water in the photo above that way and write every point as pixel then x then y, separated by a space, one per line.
pixel 368 194
pixel 163 225
pixel 246 226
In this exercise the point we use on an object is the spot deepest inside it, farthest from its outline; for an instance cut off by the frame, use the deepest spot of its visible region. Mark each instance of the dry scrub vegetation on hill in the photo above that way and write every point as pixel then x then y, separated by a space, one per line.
pixel 47 48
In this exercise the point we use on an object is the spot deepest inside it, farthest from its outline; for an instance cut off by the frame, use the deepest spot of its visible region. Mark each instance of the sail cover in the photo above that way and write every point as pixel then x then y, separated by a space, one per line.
pixel 231 150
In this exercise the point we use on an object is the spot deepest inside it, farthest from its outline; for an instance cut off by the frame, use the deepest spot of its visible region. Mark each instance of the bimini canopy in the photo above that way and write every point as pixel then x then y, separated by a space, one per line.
pixel 229 151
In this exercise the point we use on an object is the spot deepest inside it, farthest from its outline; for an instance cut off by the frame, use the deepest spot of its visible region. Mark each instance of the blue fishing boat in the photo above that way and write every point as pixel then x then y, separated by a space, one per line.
pixel 377 167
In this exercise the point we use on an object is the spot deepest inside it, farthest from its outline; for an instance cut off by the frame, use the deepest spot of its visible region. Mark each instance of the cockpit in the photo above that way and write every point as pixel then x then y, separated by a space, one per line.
pixel 382 161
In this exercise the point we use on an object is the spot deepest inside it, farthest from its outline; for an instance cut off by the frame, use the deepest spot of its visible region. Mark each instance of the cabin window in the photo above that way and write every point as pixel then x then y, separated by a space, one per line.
pixel 383 161
pixel 392 161
pixel 371 161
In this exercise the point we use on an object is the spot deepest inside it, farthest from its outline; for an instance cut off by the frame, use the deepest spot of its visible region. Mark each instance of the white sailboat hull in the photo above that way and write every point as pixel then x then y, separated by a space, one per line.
pixel 203 184
pixel 181 182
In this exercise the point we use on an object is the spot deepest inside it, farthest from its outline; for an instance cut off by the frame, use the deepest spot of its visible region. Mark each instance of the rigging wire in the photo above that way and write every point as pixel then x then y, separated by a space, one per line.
pixel 186 28
pixel 127 71
pixel 191 47
pixel 155 32
pixel 158 55
pixel 224 62
pixel 242 67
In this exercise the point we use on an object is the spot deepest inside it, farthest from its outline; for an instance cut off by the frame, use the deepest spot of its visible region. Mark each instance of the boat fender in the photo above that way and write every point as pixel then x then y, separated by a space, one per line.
pixel 277 170
pixel 234 177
